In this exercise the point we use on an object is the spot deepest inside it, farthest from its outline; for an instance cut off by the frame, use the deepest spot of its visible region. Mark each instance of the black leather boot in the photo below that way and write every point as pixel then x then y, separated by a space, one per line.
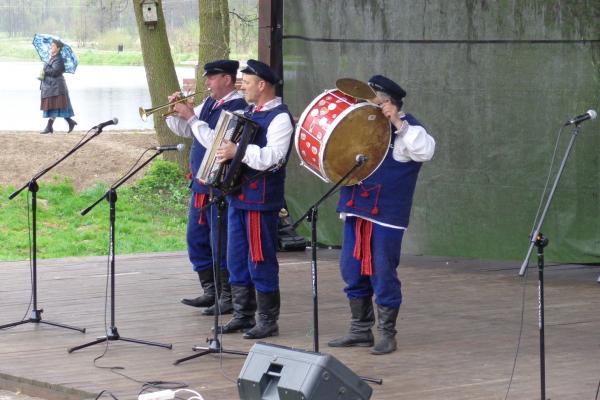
pixel 48 128
pixel 71 123
pixel 362 321
pixel 207 282
pixel 268 314
pixel 386 327
pixel 225 304
pixel 244 307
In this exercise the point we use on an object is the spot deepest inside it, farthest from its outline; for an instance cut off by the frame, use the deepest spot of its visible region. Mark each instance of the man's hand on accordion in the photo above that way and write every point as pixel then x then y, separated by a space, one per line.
pixel 226 151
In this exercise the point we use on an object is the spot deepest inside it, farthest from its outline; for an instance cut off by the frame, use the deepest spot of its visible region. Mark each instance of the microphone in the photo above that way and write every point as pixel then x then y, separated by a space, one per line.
pixel 113 121
pixel 178 147
pixel 590 114
pixel 361 159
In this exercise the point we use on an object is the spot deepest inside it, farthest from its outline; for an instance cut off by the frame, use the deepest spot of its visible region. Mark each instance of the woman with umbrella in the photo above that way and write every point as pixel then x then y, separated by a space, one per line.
pixel 55 95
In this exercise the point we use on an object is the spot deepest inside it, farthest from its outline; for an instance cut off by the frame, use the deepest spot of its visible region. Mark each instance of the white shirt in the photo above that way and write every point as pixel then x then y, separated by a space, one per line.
pixel 182 128
pixel 412 142
pixel 279 135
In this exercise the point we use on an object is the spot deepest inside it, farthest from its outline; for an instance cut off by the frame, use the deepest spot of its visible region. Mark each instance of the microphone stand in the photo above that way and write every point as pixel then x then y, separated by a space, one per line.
pixel 311 215
pixel 214 345
pixel 111 197
pixel 33 187
pixel 537 239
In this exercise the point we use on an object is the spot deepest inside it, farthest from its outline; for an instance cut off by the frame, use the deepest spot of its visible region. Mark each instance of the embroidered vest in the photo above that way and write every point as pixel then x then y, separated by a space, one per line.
pixel 265 192
pixel 385 196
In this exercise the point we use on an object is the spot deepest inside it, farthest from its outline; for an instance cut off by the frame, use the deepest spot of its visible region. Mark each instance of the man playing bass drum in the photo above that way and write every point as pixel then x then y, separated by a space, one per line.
pixel 376 213
pixel 202 230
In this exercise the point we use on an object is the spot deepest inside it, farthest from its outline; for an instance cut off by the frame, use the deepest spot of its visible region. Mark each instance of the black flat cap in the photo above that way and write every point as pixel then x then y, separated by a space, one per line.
pixel 221 67
pixel 380 83
pixel 261 70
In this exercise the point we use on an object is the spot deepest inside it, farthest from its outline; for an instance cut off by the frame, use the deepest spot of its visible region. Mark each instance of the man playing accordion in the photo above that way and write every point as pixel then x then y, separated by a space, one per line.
pixel 254 207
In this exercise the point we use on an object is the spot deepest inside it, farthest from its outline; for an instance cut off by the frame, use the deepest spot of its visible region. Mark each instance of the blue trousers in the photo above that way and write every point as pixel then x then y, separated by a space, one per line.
pixel 242 270
pixel 385 249
pixel 202 237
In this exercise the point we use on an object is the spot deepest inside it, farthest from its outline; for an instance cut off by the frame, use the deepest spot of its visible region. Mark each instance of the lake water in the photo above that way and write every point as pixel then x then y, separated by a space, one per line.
pixel 98 93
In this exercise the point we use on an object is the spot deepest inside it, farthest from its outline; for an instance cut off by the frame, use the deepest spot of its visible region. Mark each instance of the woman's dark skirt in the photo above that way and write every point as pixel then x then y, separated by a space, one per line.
pixel 57 107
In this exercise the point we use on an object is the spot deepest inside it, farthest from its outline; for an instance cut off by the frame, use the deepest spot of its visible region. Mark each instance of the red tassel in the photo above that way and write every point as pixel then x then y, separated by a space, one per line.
pixel 256 253
pixel 364 194
pixel 241 197
pixel 363 231
pixel 253 185
pixel 366 266
pixel 375 210
pixel 350 203
pixel 199 202
pixel 358 239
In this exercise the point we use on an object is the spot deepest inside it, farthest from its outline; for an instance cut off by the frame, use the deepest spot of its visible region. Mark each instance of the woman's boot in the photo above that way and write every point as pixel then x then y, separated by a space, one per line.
pixel 71 123
pixel 49 126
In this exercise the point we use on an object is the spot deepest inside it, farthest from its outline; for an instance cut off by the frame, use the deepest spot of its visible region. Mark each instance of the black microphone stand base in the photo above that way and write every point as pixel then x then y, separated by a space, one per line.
pixel 114 335
pixel 214 347
pixel 36 318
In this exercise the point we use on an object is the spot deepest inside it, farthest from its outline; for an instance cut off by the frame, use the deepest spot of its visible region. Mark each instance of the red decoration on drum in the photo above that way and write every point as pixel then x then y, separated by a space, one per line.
pixel 333 129
pixel 253 185
pixel 350 203
pixel 375 211
pixel 364 194
pixel 241 197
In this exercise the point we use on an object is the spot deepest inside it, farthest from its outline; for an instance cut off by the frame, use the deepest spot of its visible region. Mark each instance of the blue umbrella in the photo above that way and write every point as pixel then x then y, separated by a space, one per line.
pixel 41 42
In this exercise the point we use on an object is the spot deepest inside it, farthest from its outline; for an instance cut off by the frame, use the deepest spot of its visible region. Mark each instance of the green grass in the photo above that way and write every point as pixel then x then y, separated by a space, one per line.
pixel 21 49
pixel 151 216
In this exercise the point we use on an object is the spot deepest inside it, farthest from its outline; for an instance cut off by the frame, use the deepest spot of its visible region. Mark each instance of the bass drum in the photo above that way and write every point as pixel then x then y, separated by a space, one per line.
pixel 334 129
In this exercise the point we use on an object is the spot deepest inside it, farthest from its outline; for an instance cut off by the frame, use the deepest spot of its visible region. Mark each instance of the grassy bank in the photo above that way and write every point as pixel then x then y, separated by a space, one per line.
pixel 151 217
pixel 22 49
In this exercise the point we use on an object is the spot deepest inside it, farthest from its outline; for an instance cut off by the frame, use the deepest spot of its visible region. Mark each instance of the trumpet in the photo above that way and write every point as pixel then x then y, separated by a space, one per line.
pixel 145 112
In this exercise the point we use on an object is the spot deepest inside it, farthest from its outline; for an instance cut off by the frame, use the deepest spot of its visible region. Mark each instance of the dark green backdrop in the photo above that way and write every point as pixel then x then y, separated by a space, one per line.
pixel 492 81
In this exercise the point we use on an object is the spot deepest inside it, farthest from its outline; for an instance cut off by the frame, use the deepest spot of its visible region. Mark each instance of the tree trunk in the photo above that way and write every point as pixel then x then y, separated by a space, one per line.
pixel 214 37
pixel 161 77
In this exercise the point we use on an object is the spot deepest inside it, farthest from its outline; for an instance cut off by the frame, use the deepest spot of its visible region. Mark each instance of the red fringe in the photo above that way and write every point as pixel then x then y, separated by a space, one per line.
pixel 256 253
pixel 363 231
pixel 199 202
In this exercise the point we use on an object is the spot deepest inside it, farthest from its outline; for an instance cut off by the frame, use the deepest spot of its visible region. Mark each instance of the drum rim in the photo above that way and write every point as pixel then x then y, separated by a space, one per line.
pixel 321 173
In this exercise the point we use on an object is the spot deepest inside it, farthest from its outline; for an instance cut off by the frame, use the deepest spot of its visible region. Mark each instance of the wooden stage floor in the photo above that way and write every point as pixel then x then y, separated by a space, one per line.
pixel 457 333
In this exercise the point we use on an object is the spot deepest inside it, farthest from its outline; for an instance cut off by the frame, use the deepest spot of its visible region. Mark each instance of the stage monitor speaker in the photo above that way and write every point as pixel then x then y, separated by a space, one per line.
pixel 274 372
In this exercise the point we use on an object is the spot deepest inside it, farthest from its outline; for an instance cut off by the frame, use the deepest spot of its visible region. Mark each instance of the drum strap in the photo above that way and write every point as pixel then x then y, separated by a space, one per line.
pixel 199 202
pixel 256 253
pixel 363 231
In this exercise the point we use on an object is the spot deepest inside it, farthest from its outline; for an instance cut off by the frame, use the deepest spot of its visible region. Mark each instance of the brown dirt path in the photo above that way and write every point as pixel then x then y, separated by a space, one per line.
pixel 103 159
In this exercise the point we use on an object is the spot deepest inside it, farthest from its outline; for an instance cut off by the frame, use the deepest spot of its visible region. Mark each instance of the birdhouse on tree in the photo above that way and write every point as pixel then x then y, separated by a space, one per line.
pixel 150 13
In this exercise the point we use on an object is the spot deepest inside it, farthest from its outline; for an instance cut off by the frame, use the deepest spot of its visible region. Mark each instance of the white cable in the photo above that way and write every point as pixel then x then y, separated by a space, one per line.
pixel 197 395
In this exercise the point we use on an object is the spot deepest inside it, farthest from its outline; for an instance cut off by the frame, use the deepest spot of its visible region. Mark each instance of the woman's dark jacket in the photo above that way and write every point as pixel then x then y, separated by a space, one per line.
pixel 54 82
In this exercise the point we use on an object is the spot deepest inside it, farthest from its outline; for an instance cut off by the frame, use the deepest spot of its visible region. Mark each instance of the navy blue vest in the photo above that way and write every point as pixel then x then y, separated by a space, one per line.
pixel 211 117
pixel 266 192
pixel 385 196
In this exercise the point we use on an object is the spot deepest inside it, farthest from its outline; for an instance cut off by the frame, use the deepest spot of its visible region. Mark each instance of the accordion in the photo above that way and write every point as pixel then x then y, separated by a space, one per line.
pixel 237 129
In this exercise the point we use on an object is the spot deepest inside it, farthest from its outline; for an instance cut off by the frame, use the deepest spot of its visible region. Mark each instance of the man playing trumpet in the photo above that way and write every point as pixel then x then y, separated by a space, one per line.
pixel 201 230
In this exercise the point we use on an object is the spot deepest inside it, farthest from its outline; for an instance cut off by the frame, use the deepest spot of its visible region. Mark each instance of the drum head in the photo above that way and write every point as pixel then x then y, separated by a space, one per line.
pixel 355 88
pixel 364 130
